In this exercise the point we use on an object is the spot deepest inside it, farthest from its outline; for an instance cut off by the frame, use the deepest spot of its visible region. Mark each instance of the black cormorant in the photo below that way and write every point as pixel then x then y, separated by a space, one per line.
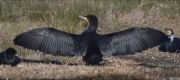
pixel 89 44
pixel 171 44
pixel 9 57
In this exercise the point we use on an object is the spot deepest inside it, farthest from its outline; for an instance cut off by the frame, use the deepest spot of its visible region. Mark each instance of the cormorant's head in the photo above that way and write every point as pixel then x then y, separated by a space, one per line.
pixel 91 19
pixel 92 22
pixel 169 31
pixel 11 51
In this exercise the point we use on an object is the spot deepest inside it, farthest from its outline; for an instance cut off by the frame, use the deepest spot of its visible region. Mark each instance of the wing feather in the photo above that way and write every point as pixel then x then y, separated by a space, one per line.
pixel 48 40
pixel 131 40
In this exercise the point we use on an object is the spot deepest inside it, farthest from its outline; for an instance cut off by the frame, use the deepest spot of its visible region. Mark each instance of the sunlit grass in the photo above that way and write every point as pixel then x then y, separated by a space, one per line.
pixel 65 14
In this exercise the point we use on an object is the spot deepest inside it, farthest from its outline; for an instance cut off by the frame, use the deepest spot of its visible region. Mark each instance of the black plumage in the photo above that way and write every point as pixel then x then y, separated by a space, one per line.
pixel 8 57
pixel 89 44
pixel 172 44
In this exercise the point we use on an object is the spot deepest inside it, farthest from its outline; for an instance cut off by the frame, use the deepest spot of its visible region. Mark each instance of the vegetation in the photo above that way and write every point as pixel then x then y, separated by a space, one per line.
pixel 17 16
pixel 65 13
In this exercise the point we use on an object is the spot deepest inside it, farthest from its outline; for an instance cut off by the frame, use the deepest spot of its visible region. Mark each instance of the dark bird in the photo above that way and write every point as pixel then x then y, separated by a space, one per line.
pixel 89 44
pixel 8 57
pixel 171 44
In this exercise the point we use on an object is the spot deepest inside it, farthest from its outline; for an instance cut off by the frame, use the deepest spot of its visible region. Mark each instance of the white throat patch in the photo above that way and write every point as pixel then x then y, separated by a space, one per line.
pixel 171 37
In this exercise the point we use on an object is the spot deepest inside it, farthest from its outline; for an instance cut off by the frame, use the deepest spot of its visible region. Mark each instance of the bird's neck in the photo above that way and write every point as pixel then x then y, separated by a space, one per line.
pixel 91 28
pixel 171 37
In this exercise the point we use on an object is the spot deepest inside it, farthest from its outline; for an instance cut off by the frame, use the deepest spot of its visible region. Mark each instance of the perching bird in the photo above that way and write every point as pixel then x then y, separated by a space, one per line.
pixel 89 44
pixel 171 44
pixel 9 57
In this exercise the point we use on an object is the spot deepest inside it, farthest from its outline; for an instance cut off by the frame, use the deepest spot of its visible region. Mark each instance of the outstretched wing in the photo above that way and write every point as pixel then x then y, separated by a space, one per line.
pixel 130 41
pixel 48 40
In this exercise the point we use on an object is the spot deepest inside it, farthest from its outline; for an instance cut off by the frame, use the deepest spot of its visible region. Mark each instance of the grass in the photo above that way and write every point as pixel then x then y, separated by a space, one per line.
pixel 20 16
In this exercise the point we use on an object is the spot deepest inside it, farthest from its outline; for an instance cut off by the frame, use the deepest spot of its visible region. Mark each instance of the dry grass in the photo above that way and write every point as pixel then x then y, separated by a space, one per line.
pixel 113 16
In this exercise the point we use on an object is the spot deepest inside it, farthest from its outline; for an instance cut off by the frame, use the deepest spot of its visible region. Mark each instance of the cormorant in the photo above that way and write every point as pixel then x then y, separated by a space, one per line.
pixel 8 57
pixel 171 44
pixel 89 44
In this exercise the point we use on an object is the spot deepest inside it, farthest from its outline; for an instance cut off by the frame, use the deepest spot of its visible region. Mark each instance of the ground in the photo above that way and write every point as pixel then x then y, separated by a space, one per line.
pixel 21 16
pixel 150 64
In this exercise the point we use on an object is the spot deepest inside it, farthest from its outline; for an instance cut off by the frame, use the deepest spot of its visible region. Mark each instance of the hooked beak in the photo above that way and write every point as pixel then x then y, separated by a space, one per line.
pixel 85 18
